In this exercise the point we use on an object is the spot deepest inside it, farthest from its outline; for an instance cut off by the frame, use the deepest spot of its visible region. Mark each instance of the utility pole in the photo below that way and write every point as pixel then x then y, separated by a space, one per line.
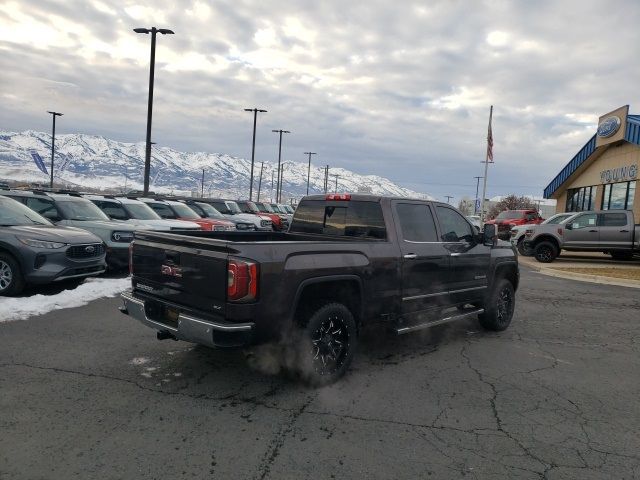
pixel 309 168
pixel 53 142
pixel 260 181
pixel 253 145
pixel 337 176
pixel 147 155
pixel 202 189
pixel 449 197
pixel 278 187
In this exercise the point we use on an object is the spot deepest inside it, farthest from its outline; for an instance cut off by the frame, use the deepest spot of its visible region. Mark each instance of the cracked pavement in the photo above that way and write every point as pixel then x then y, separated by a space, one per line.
pixel 89 393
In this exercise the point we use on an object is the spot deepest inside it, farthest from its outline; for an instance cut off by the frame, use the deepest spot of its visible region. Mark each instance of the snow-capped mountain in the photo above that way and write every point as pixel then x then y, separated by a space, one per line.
pixel 96 162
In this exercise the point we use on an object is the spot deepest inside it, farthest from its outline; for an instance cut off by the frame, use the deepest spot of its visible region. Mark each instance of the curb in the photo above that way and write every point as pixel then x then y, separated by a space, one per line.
pixel 582 277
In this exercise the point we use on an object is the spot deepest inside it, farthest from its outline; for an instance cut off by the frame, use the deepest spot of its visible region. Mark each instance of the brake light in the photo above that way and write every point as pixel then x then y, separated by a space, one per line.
pixel 338 196
pixel 131 258
pixel 242 280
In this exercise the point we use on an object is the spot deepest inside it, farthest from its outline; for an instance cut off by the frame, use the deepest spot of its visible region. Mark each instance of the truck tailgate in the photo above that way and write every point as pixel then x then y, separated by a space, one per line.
pixel 183 275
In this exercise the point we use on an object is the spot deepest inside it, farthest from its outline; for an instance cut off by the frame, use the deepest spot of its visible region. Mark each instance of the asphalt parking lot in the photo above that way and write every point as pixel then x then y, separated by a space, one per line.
pixel 89 393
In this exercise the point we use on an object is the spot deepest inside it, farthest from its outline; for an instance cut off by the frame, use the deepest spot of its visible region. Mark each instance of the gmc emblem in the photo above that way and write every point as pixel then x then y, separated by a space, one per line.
pixel 171 270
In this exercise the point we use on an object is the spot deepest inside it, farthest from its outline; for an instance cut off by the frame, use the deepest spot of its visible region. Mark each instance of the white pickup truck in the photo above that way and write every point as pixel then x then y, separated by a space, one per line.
pixel 609 231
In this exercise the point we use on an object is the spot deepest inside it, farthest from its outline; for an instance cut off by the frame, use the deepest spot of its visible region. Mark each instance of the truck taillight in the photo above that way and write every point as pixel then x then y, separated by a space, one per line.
pixel 242 280
pixel 131 258
pixel 338 196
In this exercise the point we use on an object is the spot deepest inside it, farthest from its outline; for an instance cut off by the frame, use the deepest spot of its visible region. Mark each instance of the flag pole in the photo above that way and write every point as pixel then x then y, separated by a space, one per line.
pixel 486 166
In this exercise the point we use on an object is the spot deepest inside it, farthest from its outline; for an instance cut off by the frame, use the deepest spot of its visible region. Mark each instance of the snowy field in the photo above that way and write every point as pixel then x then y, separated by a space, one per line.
pixel 22 308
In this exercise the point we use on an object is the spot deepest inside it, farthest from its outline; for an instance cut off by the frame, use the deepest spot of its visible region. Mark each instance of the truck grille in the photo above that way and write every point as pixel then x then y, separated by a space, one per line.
pixel 265 223
pixel 245 226
pixel 85 251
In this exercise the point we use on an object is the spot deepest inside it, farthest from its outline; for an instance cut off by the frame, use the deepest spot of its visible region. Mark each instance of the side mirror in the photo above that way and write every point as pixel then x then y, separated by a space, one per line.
pixel 489 235
pixel 568 226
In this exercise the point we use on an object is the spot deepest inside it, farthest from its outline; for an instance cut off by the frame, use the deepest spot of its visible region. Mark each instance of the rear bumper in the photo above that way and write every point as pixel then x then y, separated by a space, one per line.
pixel 191 328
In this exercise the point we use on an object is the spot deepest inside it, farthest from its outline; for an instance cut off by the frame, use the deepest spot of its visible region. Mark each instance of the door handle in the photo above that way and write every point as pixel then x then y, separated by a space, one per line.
pixel 624 231
pixel 593 231
pixel 410 256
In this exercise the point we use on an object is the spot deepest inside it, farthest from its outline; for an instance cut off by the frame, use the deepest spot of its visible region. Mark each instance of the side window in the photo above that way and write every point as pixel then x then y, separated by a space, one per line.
pixel 416 222
pixel 453 225
pixel 44 207
pixel 584 221
pixel 113 210
pixel 613 220
pixel 531 217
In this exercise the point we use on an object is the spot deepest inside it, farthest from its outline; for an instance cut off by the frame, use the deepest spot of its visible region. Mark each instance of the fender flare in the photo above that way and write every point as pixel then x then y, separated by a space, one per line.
pixel 325 279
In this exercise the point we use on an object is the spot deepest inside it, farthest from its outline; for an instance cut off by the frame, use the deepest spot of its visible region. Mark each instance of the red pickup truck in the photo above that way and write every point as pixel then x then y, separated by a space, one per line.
pixel 506 220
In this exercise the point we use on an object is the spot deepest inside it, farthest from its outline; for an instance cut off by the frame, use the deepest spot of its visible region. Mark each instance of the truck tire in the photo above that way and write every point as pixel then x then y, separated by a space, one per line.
pixel 520 246
pixel 11 279
pixel 328 344
pixel 545 252
pixel 499 307
pixel 621 255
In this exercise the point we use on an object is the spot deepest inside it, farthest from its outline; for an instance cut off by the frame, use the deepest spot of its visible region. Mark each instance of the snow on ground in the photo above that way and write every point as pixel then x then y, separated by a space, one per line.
pixel 92 289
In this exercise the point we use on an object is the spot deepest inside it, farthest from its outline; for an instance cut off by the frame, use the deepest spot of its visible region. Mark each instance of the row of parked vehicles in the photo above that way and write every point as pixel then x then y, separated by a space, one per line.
pixel 48 236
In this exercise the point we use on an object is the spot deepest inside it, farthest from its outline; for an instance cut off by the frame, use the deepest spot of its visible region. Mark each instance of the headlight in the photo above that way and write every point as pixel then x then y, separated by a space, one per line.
pixel 124 237
pixel 41 243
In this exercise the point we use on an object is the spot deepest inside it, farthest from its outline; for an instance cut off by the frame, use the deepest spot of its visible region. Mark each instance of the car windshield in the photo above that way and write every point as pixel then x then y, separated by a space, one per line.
pixel 80 209
pixel 209 211
pixel 557 219
pixel 233 207
pixel 141 211
pixel 276 208
pixel 249 206
pixel 14 214
pixel 287 208
pixel 509 214
pixel 184 212
pixel 265 208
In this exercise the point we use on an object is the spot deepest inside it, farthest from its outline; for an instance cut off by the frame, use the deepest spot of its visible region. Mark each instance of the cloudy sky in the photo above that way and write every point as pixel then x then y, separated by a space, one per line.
pixel 400 89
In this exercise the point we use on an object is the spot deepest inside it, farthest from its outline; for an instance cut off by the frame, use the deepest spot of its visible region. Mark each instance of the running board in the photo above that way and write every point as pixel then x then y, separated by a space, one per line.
pixel 453 318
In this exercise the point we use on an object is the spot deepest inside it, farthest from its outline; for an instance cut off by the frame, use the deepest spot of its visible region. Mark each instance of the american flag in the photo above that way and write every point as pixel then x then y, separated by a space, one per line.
pixel 490 141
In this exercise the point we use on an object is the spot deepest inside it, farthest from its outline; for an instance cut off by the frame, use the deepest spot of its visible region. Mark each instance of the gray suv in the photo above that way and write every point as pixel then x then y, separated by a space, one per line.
pixel 71 210
pixel 33 251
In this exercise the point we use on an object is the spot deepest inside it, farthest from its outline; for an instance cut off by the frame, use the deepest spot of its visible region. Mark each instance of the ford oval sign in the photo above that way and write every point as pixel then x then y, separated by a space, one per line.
pixel 609 126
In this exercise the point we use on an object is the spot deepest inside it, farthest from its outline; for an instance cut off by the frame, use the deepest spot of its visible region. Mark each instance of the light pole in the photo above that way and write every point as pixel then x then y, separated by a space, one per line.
pixel 53 142
pixel 475 202
pixel 309 168
pixel 279 199
pixel 152 65
pixel 449 197
pixel 337 176
pixel 253 145
pixel 202 188
pixel 260 181
pixel 326 178
pixel 279 157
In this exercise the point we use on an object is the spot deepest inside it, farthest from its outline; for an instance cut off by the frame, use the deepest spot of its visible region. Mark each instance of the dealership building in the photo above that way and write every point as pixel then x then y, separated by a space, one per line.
pixel 603 175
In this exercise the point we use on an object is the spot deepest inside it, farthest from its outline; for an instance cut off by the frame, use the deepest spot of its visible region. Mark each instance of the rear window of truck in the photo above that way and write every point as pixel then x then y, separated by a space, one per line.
pixel 341 219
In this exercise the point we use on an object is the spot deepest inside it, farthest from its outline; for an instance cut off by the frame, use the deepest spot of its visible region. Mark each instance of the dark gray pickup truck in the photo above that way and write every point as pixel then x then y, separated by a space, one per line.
pixel 346 261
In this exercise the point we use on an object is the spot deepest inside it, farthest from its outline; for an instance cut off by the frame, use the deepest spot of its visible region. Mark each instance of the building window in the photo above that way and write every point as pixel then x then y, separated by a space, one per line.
pixel 619 196
pixel 580 199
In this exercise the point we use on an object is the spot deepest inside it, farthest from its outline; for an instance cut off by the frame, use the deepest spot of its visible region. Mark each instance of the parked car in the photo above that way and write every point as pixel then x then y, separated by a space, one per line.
pixel 206 210
pixel 138 213
pixel 284 214
pixel 506 220
pixel 609 231
pixel 252 207
pixel 346 261
pixel 34 251
pixel 71 210
pixel 232 211
pixel 176 210
pixel 517 233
